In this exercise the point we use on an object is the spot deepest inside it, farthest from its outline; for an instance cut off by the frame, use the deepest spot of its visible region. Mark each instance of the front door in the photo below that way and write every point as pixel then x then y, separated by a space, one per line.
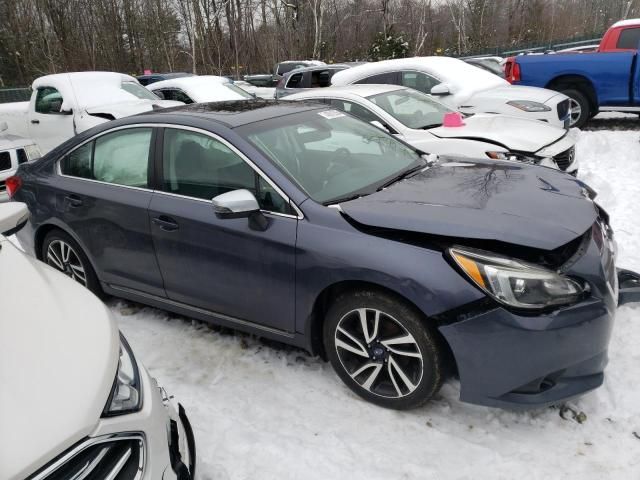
pixel 49 123
pixel 220 265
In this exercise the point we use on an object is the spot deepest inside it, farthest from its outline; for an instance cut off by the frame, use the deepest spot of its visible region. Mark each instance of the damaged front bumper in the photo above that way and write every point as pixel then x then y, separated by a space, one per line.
pixel 182 446
pixel 516 361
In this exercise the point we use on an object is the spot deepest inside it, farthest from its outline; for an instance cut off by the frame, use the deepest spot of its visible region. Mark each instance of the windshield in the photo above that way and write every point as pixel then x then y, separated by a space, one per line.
pixel 330 155
pixel 412 109
pixel 138 91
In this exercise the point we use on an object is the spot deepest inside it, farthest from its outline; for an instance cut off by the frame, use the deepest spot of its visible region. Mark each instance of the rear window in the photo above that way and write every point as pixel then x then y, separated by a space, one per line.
pixel 629 38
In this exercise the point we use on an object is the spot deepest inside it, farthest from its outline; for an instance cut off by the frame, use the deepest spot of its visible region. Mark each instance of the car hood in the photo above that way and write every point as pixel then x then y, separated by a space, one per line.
pixel 58 359
pixel 513 133
pixel 516 92
pixel 504 201
pixel 126 109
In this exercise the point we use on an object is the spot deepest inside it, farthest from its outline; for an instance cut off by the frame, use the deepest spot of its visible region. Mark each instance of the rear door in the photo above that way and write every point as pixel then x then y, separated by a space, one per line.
pixel 102 194
pixel 222 265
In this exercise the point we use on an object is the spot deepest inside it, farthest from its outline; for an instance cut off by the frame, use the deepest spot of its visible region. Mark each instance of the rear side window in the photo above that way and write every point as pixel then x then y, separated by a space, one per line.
pixel 171 94
pixel 121 158
pixel 5 161
pixel 22 156
pixel 629 38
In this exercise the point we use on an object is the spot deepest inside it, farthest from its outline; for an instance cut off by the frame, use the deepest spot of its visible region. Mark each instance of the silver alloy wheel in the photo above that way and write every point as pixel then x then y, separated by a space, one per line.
pixel 575 111
pixel 61 256
pixel 378 353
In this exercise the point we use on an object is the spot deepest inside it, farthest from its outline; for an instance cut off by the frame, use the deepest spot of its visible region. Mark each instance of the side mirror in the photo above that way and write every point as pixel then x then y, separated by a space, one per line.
pixel 240 204
pixel 13 216
pixel 441 89
pixel 235 204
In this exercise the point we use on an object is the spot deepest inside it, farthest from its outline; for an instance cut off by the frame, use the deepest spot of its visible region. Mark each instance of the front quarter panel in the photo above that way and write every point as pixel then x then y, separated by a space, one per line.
pixel 331 251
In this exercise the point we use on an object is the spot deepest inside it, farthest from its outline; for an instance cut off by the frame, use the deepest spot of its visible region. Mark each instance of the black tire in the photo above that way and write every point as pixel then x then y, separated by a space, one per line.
pixel 53 240
pixel 585 107
pixel 387 389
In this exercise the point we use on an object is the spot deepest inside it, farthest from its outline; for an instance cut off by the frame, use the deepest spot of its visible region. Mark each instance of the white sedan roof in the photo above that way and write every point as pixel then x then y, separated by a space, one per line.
pixel 202 88
pixel 184 83
pixel 460 75
pixel 362 90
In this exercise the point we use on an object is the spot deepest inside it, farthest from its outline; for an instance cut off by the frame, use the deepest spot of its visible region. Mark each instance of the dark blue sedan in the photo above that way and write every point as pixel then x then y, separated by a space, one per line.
pixel 300 223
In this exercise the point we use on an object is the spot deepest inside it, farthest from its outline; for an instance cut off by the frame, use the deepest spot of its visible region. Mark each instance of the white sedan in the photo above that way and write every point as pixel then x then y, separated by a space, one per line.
pixel 418 119
pixel 74 402
pixel 462 87
pixel 14 150
pixel 199 89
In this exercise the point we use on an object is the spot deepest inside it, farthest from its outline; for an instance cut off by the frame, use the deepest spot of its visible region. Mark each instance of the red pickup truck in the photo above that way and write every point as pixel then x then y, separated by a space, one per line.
pixel 607 79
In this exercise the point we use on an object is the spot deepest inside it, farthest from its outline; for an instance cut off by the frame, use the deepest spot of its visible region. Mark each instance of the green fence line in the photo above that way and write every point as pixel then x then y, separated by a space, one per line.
pixel 8 95
pixel 534 47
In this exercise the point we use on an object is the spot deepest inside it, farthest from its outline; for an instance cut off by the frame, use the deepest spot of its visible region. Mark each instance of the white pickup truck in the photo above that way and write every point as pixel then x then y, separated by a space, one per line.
pixel 65 104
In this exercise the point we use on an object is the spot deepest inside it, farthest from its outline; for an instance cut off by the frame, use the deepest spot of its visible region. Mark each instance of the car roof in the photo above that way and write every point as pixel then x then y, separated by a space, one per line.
pixel 236 113
pixel 185 82
pixel 313 68
pixel 359 90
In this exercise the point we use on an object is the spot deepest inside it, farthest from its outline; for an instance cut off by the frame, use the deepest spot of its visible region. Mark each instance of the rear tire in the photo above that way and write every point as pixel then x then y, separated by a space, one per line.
pixel 579 109
pixel 63 253
pixel 381 347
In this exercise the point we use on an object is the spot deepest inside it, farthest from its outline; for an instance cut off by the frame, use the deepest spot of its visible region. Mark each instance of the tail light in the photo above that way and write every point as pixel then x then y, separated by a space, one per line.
pixel 13 184
pixel 512 70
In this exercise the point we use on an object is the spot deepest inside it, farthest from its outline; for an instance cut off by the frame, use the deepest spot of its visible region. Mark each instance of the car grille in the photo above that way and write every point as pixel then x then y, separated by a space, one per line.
pixel 564 159
pixel 113 457
pixel 563 109
pixel 5 161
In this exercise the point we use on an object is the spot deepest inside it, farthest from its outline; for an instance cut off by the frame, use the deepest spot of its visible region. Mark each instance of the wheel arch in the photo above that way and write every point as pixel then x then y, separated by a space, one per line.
pixel 324 299
pixel 576 82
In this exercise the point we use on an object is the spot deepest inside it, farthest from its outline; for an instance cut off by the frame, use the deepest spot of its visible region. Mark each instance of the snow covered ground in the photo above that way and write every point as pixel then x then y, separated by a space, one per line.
pixel 265 411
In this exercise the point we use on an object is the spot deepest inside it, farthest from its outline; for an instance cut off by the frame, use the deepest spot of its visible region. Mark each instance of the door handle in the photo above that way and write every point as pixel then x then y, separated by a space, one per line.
pixel 74 200
pixel 165 223
pixel 35 121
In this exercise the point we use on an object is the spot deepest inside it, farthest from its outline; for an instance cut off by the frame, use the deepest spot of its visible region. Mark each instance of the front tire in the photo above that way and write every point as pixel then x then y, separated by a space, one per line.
pixel 63 253
pixel 579 107
pixel 380 346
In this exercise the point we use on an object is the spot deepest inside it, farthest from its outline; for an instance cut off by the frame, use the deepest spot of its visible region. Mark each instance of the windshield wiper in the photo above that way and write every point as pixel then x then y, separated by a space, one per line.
pixel 346 198
pixel 403 175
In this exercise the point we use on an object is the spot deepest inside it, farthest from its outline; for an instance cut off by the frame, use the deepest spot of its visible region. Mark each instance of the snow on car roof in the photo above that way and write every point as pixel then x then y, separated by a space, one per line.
pixel 202 88
pixel 89 89
pixel 458 74
pixel 362 90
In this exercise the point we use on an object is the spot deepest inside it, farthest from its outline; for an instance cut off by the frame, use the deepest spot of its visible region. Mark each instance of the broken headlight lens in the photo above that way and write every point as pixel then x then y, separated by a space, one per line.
pixel 516 283
pixel 529 106
pixel 126 394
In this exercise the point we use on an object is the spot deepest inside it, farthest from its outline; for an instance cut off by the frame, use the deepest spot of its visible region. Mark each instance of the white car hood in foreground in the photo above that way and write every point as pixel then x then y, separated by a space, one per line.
pixel 58 360
pixel 126 109
pixel 514 133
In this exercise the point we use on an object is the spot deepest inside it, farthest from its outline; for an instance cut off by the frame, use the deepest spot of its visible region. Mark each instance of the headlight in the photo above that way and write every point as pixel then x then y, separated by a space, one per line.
pixel 516 283
pixel 126 394
pixel 514 157
pixel 529 106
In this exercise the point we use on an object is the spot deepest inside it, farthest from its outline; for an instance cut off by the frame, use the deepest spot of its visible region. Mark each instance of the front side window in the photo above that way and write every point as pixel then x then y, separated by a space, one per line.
pixel 329 154
pixel 419 81
pixel 295 81
pixel 48 101
pixel 121 158
pixel 199 166
pixel 629 38
pixel 412 109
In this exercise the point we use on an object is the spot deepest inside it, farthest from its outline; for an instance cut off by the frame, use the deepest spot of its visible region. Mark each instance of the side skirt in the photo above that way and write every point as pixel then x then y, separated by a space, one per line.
pixel 214 318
